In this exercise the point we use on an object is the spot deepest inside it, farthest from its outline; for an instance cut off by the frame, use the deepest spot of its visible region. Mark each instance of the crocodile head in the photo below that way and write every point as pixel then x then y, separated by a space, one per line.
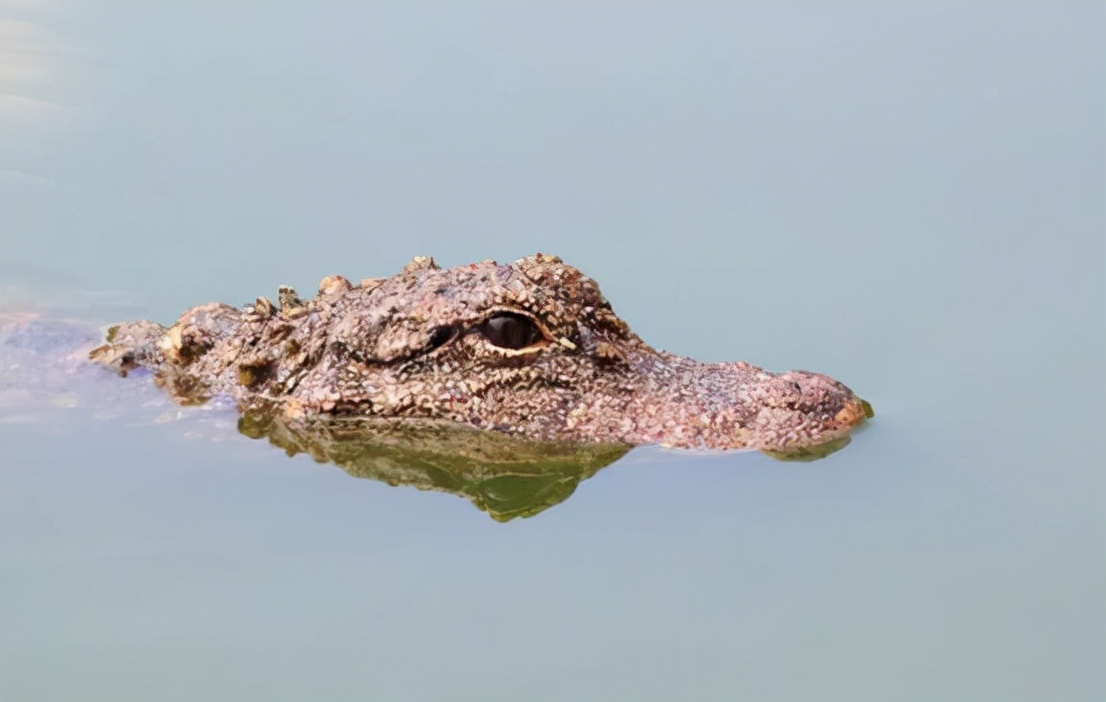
pixel 531 348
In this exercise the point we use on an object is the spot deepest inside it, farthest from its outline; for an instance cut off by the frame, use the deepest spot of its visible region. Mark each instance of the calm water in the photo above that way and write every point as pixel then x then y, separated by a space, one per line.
pixel 911 199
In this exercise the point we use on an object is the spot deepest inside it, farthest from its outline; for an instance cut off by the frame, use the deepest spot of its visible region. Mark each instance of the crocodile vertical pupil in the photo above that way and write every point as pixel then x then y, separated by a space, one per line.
pixel 510 331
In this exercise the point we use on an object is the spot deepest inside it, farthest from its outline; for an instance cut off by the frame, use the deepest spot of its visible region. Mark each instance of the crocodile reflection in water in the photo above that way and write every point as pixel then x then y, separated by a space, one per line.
pixel 502 475
pixel 530 349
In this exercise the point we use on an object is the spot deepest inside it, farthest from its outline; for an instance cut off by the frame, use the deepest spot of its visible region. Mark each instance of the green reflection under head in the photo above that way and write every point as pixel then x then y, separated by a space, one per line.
pixel 505 476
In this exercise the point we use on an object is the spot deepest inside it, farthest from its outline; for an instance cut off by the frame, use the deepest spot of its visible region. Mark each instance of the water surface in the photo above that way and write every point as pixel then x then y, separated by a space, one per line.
pixel 907 198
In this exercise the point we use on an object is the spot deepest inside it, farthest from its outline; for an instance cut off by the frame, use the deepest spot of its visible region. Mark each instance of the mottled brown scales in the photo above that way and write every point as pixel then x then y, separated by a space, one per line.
pixel 531 349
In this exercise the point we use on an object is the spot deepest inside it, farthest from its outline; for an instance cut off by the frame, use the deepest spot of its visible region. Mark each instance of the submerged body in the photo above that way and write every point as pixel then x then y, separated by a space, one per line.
pixel 530 348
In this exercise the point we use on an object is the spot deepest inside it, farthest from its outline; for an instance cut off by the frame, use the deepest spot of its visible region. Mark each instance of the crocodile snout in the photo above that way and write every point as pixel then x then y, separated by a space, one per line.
pixel 814 393
pixel 801 409
pixel 733 405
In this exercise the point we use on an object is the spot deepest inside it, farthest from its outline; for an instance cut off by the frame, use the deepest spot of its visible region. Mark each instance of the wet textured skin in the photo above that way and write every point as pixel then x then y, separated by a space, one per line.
pixel 531 349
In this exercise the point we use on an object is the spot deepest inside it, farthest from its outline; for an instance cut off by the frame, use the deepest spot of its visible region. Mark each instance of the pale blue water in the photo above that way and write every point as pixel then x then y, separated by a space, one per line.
pixel 911 199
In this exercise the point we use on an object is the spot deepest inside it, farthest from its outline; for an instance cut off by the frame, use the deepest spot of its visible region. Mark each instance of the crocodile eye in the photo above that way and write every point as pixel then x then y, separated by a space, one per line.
pixel 510 331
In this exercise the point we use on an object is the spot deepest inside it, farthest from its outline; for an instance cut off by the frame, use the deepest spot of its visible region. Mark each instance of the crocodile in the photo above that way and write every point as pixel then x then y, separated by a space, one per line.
pixel 531 349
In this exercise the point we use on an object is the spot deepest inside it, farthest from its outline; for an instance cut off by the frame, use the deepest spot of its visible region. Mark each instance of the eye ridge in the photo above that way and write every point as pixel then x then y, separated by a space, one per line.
pixel 510 330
